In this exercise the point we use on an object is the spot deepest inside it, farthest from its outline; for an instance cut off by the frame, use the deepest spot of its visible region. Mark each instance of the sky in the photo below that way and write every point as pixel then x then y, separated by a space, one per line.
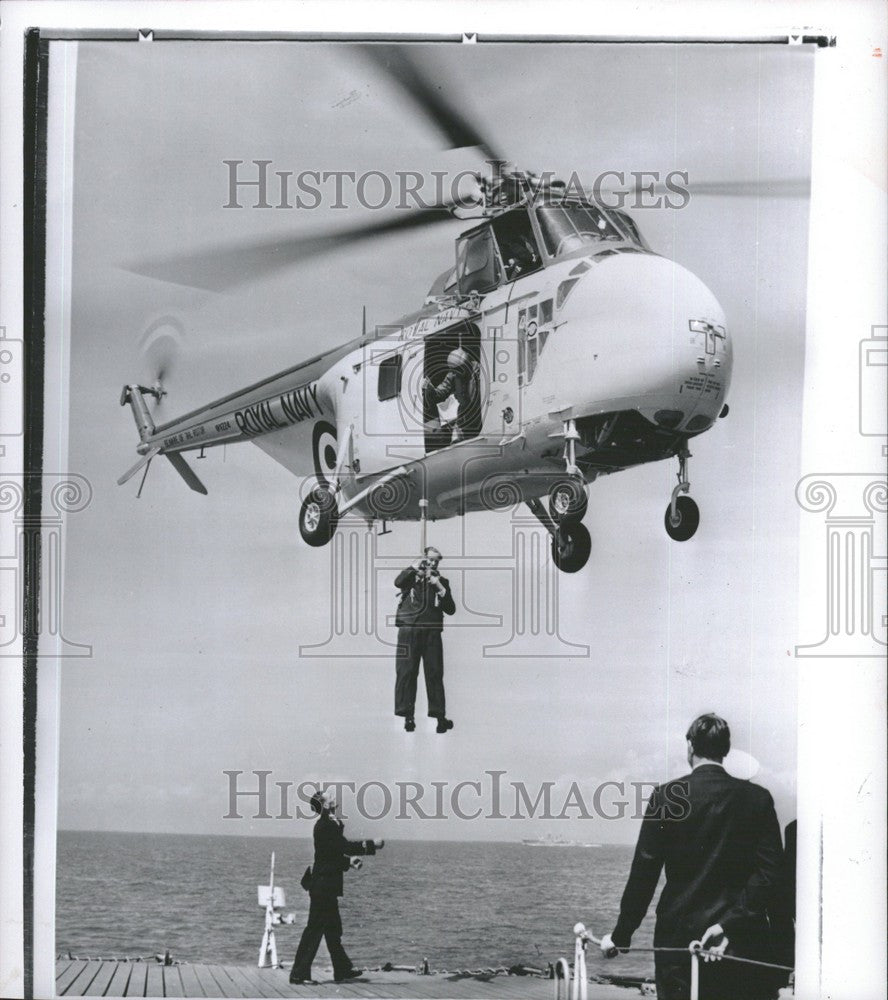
pixel 196 606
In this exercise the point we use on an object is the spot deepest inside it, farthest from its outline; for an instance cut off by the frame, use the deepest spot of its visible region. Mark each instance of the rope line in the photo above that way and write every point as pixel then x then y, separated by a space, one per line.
pixel 694 948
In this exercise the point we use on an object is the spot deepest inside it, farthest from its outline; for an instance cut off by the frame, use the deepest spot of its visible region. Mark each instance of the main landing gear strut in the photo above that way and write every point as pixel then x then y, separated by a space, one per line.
pixel 682 514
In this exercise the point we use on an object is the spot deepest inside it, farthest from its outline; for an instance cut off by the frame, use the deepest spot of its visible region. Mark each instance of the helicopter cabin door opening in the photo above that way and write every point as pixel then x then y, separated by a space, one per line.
pixel 454 393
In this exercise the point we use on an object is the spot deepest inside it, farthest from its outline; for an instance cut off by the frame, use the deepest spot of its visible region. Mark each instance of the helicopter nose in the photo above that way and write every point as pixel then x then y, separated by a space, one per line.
pixel 655 337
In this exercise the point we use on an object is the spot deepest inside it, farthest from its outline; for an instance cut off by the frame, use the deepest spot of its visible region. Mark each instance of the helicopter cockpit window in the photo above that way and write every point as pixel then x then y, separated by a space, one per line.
pixel 477 267
pixel 517 244
pixel 567 227
pixel 629 226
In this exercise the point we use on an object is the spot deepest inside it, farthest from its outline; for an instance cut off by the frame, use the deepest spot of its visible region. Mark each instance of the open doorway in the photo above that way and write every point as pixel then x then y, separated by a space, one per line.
pixel 454 394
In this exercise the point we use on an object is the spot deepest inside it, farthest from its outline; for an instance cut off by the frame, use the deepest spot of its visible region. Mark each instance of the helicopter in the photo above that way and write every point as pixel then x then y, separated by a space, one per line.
pixel 585 351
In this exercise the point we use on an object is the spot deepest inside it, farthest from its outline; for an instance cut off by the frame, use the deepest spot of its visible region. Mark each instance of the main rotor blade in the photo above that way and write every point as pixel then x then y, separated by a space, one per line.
pixel 786 187
pixel 429 97
pixel 219 269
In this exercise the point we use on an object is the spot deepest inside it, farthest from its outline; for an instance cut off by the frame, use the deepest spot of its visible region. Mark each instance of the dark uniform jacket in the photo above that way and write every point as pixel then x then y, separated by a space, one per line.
pixel 420 604
pixel 331 855
pixel 722 853
pixel 464 386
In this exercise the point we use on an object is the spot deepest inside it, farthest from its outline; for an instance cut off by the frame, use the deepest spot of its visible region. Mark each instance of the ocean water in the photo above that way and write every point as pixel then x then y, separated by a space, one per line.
pixel 461 905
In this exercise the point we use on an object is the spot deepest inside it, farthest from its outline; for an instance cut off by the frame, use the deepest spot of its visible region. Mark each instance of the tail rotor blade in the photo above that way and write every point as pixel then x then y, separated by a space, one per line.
pixel 144 477
pixel 145 460
pixel 186 472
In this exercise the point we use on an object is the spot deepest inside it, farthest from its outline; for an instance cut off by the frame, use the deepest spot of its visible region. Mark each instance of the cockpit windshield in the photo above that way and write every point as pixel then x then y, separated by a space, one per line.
pixel 568 226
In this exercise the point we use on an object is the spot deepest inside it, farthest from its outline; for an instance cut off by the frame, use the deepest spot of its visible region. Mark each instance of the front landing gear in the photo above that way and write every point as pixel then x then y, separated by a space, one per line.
pixel 682 514
pixel 571 542
pixel 318 516
pixel 568 501
pixel 571 547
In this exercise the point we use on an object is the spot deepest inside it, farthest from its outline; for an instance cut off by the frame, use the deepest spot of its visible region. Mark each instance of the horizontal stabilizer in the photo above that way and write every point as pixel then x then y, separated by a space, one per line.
pixel 186 472
pixel 144 460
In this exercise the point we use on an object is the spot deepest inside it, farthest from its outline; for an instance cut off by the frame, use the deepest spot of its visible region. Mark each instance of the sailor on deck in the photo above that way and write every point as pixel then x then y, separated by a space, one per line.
pixel 333 855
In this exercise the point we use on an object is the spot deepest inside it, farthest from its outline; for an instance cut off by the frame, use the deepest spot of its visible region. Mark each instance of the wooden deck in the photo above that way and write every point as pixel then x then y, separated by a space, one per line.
pixel 104 978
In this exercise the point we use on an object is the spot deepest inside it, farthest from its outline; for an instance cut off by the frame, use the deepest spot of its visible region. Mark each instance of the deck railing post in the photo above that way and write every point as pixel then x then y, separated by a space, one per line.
pixel 562 975
pixel 695 975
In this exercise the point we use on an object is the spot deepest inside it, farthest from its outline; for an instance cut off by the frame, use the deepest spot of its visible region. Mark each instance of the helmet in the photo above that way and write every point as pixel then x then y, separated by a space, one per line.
pixel 457 359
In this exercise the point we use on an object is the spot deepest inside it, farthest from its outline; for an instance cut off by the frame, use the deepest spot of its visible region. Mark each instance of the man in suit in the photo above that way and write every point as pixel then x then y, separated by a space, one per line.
pixel 719 841
pixel 425 599
pixel 333 855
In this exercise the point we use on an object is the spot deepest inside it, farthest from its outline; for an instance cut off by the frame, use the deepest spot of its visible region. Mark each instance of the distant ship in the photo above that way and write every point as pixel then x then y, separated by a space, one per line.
pixel 550 841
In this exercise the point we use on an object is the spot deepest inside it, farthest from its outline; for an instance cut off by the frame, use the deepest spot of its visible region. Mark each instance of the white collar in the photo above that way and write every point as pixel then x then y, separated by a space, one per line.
pixel 707 763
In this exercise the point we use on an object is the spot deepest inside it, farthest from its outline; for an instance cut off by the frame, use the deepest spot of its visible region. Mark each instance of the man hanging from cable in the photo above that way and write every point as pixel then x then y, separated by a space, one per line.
pixel 425 599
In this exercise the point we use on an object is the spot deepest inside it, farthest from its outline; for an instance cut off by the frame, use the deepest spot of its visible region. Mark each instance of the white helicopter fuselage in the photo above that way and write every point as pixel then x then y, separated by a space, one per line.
pixel 609 357
pixel 629 335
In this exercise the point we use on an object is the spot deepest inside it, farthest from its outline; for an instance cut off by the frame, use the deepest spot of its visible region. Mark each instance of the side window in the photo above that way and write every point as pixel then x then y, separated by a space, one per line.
pixel 477 267
pixel 390 377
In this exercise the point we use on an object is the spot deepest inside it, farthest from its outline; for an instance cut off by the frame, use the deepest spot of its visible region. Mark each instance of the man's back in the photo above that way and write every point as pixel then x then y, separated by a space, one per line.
pixel 719 841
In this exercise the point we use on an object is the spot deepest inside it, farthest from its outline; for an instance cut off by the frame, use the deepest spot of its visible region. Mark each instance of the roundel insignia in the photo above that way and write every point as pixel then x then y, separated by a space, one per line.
pixel 324 451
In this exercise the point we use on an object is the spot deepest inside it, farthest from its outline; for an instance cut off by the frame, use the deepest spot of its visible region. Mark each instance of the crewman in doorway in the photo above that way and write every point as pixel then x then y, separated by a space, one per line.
pixel 463 382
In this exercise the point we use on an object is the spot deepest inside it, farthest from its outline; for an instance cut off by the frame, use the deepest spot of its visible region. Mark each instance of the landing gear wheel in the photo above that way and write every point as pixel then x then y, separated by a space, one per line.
pixel 571 547
pixel 687 518
pixel 568 501
pixel 318 517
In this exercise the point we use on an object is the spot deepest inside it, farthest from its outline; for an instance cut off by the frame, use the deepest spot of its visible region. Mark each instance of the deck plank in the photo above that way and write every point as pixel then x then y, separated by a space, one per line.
pixel 136 985
pixel 99 986
pixel 172 982
pixel 227 988
pixel 206 980
pixel 367 989
pixel 61 965
pixel 154 982
pixel 80 977
pixel 66 981
pixel 119 981
pixel 86 983
pixel 237 987
pixel 190 983
pixel 248 979
pixel 275 982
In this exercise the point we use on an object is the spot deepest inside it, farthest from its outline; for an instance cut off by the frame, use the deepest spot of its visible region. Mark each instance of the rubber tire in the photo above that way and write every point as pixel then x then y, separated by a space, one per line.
pixel 579 547
pixel 573 502
pixel 320 504
pixel 689 519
